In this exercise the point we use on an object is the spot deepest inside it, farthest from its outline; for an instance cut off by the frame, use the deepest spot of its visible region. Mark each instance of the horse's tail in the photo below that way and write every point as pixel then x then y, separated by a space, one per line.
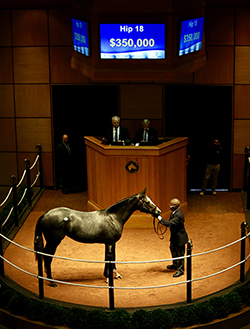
pixel 38 241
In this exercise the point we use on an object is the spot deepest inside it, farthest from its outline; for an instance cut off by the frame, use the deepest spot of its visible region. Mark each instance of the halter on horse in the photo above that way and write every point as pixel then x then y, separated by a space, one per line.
pixel 101 226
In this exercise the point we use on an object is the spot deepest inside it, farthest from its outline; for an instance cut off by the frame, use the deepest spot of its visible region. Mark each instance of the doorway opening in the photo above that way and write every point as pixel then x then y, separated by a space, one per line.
pixel 78 111
pixel 201 113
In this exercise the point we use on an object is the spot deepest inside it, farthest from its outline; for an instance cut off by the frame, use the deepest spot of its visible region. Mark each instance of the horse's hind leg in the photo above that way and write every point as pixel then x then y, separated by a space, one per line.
pixel 50 249
pixel 113 257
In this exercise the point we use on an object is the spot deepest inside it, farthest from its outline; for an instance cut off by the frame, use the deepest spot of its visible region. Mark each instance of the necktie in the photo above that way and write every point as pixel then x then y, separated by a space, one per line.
pixel 115 134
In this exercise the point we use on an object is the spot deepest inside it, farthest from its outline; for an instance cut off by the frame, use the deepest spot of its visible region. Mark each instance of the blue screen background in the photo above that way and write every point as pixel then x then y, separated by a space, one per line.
pixel 137 41
pixel 80 36
pixel 191 36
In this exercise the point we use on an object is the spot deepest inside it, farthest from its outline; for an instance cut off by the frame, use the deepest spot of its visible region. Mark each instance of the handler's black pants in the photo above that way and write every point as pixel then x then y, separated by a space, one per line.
pixel 178 251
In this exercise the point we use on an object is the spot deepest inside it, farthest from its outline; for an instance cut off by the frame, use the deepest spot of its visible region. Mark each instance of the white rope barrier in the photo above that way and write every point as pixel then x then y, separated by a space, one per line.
pixel 25 191
pixel 116 262
pixel 22 178
pixel 134 262
pixel 123 288
pixel 18 185
pixel 7 197
pixel 9 214
pixel 36 179
pixel 34 162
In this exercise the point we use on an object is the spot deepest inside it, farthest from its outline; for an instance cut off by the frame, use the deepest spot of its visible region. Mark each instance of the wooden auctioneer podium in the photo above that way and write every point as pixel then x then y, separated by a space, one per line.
pixel 117 172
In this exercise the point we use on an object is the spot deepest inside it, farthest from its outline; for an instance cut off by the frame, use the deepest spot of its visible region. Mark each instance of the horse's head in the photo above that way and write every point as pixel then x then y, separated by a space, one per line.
pixel 147 205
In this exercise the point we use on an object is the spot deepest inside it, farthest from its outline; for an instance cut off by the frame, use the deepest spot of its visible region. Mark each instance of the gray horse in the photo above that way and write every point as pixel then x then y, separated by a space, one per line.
pixel 101 226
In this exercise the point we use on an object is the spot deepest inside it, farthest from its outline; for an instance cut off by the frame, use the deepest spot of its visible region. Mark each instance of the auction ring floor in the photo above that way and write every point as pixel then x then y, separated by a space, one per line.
pixel 211 222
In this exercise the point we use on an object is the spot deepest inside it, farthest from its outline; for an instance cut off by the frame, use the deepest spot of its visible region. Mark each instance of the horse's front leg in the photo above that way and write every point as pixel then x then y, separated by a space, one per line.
pixel 107 258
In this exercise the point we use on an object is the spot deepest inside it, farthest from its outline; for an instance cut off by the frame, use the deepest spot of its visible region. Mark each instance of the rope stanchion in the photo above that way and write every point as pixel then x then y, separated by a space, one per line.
pixel 189 271
pixel 13 179
pixel 27 162
pixel 27 190
pixel 243 251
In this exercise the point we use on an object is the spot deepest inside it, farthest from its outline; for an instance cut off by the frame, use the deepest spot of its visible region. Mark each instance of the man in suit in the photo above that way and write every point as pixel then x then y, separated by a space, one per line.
pixel 64 160
pixel 146 134
pixel 117 133
pixel 178 237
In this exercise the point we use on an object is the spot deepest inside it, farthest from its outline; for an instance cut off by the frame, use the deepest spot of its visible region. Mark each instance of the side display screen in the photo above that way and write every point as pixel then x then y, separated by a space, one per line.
pixel 191 36
pixel 80 36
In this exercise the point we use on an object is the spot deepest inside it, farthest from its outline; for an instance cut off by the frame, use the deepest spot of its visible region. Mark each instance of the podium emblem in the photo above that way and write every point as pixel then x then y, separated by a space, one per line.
pixel 132 167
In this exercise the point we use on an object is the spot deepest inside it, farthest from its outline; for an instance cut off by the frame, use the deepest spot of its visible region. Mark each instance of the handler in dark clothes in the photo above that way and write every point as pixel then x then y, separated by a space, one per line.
pixel 64 163
pixel 178 237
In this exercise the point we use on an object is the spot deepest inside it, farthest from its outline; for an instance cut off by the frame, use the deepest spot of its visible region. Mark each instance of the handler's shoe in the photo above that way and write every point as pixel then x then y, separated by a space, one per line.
pixel 178 273
pixel 171 267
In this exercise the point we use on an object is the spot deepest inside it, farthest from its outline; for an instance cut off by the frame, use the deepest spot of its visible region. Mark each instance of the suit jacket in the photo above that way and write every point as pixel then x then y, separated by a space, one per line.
pixel 179 235
pixel 63 156
pixel 124 135
pixel 152 136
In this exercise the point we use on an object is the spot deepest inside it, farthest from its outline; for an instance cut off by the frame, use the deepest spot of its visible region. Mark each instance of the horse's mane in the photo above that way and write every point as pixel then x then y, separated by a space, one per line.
pixel 120 204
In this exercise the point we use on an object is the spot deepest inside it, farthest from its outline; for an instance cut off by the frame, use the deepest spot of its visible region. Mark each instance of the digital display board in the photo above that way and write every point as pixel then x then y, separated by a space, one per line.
pixel 80 36
pixel 132 41
pixel 191 36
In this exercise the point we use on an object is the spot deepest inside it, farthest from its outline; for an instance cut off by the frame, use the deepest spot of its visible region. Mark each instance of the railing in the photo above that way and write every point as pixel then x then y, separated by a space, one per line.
pixel 28 189
pixel 110 286
pixel 246 187
pixel 27 192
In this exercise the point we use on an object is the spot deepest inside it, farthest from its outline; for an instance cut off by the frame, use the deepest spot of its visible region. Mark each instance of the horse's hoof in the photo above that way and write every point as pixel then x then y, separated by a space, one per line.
pixel 53 284
pixel 118 276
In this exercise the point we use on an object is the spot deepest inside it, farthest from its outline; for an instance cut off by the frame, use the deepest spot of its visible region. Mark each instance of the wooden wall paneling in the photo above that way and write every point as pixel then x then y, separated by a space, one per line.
pixel 60 63
pixel 31 132
pixel 238 171
pixel 47 168
pixel 7 101
pixel 8 167
pixel 32 100
pixel 242 26
pixel 30 27
pixel 47 158
pixel 8 135
pixel 242 65
pixel 141 101
pixel 6 70
pixel 31 65
pixel 183 80
pixel 60 27
pixel 219 68
pixel 241 136
pixel 5 28
pixel 242 102
pixel 219 26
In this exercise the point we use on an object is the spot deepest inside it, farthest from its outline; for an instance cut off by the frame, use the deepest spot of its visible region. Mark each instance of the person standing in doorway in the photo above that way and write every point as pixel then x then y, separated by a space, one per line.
pixel 64 159
pixel 214 159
